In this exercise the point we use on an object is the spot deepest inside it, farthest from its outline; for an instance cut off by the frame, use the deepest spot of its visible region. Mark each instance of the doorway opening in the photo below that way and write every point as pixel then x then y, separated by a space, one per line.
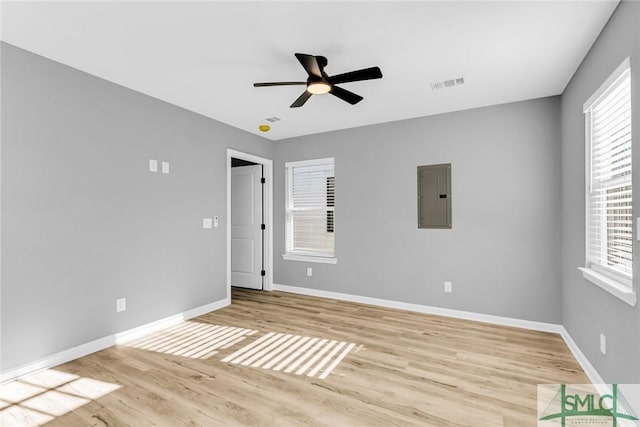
pixel 249 224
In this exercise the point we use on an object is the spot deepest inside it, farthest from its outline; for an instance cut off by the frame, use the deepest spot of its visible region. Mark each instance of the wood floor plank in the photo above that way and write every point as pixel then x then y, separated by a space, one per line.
pixel 401 369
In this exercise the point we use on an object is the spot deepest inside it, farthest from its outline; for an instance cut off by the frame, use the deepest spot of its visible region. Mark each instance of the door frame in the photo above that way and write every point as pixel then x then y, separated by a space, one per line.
pixel 267 207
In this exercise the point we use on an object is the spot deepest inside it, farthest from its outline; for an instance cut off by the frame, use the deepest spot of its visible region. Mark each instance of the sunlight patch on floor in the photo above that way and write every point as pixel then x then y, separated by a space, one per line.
pixel 39 398
pixel 300 355
pixel 196 340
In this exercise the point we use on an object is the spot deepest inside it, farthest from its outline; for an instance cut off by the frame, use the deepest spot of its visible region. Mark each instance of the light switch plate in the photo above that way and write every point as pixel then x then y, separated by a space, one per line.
pixel 121 304
pixel 603 344
pixel 206 222
pixel 153 165
pixel 309 271
pixel 165 167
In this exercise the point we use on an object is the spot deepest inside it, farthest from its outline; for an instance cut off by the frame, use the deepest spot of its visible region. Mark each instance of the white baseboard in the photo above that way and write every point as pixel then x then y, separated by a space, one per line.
pixel 134 333
pixel 108 341
pixel 587 367
pixel 582 360
pixel 458 314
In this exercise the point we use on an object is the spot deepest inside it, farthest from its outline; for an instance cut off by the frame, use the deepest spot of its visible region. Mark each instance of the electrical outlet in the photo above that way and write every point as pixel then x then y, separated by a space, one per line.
pixel 603 344
pixel 448 287
pixel 153 165
pixel 165 167
pixel 121 305
pixel 309 271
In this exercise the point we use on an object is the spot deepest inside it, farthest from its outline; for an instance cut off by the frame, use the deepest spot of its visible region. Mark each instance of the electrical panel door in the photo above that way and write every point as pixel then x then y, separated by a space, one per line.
pixel 434 196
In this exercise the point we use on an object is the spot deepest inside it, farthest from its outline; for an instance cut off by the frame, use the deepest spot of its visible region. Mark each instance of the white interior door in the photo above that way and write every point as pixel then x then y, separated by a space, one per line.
pixel 246 231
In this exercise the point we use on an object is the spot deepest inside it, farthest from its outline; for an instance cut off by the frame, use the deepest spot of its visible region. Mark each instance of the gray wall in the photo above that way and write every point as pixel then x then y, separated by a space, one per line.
pixel 503 253
pixel 588 310
pixel 84 222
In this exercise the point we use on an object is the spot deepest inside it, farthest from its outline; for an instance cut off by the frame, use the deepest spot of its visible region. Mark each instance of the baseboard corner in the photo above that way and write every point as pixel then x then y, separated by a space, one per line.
pixel 582 360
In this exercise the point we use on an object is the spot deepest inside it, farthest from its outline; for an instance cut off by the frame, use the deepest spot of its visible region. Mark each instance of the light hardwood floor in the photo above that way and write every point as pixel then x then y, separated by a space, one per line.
pixel 403 369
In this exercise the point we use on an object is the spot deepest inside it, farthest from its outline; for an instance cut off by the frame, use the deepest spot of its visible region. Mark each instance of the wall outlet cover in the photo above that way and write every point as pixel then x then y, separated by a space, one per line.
pixel 121 305
pixel 309 271
pixel 448 287
pixel 207 222
pixel 165 167
pixel 153 165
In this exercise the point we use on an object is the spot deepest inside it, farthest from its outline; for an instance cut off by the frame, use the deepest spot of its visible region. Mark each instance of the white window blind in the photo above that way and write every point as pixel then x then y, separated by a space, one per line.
pixel 311 208
pixel 609 204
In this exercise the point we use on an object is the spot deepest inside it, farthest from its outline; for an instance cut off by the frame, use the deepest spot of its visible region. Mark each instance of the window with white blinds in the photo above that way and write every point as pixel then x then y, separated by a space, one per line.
pixel 609 204
pixel 310 208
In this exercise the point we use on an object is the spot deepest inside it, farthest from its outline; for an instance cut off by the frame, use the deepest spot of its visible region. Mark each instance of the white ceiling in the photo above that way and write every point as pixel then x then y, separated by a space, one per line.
pixel 204 56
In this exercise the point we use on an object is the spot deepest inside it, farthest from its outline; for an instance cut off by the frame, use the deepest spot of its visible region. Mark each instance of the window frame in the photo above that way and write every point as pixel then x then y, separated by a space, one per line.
pixel 305 256
pixel 616 283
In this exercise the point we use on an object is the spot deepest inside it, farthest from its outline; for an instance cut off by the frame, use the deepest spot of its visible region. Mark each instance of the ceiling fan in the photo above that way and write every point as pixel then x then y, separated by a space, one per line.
pixel 319 82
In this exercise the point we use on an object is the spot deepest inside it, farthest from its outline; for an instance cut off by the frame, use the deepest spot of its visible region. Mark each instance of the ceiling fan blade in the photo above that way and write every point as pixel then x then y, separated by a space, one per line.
pixel 301 99
pixel 346 95
pixel 278 84
pixel 354 76
pixel 310 64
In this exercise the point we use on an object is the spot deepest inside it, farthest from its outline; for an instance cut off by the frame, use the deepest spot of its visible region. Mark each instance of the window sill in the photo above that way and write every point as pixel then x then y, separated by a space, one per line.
pixel 610 285
pixel 307 258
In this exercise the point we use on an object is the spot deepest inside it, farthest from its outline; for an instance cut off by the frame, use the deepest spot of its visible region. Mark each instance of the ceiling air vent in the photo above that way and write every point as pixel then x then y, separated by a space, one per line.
pixel 447 83
pixel 273 119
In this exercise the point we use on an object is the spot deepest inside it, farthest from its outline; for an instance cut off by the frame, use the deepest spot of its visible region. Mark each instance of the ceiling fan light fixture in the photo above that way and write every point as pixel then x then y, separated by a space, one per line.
pixel 318 88
pixel 319 82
